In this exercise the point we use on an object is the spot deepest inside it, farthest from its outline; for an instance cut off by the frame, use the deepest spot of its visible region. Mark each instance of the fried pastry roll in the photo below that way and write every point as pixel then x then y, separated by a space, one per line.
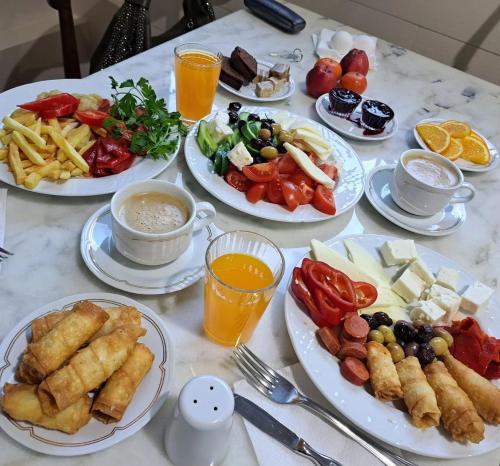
pixel 484 395
pixel 20 402
pixel 458 414
pixel 87 369
pixel 43 325
pixel 113 399
pixel 418 394
pixel 383 376
pixel 56 347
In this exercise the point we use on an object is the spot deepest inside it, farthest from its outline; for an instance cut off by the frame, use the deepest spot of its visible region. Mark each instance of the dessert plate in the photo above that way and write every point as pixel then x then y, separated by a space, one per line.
pixel 107 264
pixel 347 127
pixel 377 190
pixel 347 192
pixel 248 91
pixel 143 168
pixel 95 436
pixel 464 165
pixel 388 422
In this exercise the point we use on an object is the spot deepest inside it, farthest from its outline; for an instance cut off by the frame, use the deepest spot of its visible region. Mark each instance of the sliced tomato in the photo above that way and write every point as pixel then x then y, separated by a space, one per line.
pixel 256 192
pixel 292 194
pixel 330 171
pixel 301 178
pixel 237 180
pixel 287 166
pixel 92 117
pixel 366 294
pixel 323 200
pixel 306 186
pixel 261 172
pixel 314 158
pixel 54 106
pixel 274 192
pixel 104 105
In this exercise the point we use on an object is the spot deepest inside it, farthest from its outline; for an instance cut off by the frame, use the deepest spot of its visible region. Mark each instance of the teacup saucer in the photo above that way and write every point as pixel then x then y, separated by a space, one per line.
pixel 377 190
pixel 107 264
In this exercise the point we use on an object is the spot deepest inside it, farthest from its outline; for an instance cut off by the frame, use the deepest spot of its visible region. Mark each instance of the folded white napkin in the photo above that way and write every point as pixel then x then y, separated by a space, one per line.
pixel 335 44
pixel 320 435
pixel 3 211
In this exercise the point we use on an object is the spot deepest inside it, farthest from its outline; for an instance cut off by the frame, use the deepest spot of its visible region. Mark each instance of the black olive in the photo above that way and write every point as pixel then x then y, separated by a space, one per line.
pixel 281 149
pixel 424 333
pixel 382 318
pixel 241 123
pixel 259 159
pixel 234 107
pixel 253 117
pixel 266 125
pixel 371 321
pixel 425 354
pixel 404 331
pixel 411 349
pixel 268 121
pixel 257 143
pixel 233 116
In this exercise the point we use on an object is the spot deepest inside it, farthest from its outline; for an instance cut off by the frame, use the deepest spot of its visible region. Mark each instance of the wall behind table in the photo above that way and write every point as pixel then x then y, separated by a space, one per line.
pixel 460 33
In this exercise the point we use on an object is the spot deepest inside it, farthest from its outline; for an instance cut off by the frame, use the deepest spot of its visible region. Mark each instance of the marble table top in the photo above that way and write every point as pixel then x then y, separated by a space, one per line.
pixel 44 231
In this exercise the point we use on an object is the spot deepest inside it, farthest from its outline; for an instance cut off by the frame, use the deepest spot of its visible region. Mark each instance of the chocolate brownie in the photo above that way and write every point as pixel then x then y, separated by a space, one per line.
pixel 230 76
pixel 244 63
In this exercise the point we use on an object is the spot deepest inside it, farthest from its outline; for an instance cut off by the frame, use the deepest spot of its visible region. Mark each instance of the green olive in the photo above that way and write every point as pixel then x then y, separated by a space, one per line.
pixel 397 352
pixel 276 128
pixel 418 323
pixel 269 152
pixel 285 136
pixel 388 333
pixel 441 332
pixel 265 134
pixel 439 345
pixel 376 335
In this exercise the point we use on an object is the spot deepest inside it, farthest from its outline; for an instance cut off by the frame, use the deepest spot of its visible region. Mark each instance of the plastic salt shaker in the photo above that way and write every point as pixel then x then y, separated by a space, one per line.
pixel 198 434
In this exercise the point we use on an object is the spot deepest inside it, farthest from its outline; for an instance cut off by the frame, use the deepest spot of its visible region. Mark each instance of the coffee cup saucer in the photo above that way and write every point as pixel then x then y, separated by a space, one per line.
pixel 107 264
pixel 378 193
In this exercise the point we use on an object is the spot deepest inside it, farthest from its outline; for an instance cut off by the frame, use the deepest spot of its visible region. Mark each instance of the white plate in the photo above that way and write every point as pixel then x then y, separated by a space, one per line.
pixel 143 168
pixel 248 91
pixel 464 165
pixel 347 192
pixel 378 192
pixel 383 420
pixel 107 264
pixel 347 127
pixel 95 436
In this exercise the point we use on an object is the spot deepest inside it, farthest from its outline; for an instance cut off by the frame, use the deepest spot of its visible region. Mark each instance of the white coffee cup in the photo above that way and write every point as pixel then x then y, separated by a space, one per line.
pixel 157 248
pixel 419 198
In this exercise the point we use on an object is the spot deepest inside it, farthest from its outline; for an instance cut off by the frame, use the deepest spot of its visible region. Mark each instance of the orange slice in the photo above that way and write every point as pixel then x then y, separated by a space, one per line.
pixel 454 150
pixel 457 129
pixel 437 138
pixel 474 151
pixel 474 135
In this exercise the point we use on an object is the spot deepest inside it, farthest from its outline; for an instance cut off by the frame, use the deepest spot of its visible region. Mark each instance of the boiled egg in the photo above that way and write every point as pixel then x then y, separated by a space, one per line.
pixel 341 42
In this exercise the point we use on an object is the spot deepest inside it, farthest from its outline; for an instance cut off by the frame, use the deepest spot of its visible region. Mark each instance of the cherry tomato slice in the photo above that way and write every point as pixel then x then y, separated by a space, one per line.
pixel 287 166
pixel 292 194
pixel 237 179
pixel 256 192
pixel 366 294
pixel 261 172
pixel 92 117
pixel 323 200
pixel 274 192
pixel 330 171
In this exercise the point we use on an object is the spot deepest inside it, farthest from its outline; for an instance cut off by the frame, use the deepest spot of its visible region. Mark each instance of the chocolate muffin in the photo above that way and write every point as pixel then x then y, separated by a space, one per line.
pixel 375 115
pixel 343 101
pixel 244 63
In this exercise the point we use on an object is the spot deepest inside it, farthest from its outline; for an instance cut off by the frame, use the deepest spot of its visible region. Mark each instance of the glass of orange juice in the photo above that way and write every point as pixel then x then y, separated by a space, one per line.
pixel 243 270
pixel 197 69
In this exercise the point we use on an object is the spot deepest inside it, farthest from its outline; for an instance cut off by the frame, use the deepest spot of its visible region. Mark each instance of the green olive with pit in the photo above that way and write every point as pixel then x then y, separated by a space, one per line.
pixel 269 152
pixel 376 335
pixel 439 345
pixel 285 136
pixel 265 134
pixel 388 333
pixel 397 352
pixel 276 128
pixel 444 334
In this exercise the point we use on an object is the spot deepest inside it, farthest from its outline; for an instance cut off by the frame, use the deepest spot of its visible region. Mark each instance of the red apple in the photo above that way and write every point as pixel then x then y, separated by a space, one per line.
pixel 355 60
pixel 320 80
pixel 333 64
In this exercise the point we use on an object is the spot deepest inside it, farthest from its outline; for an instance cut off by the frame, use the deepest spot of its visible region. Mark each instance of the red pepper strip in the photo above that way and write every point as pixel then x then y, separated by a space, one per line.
pixel 123 164
pixel 330 312
pixel 53 102
pixel 366 294
pixel 62 111
pixel 104 105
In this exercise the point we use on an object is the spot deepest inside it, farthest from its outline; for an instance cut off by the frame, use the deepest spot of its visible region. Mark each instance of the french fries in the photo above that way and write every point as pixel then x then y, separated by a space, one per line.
pixel 15 164
pixel 28 150
pixel 69 150
pixel 3 153
pixel 24 131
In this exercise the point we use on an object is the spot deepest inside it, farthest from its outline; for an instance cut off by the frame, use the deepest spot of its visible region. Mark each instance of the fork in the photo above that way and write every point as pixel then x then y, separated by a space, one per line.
pixel 5 254
pixel 277 388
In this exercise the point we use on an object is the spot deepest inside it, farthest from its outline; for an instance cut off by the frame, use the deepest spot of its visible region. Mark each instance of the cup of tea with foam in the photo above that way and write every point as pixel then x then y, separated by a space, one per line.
pixel 153 221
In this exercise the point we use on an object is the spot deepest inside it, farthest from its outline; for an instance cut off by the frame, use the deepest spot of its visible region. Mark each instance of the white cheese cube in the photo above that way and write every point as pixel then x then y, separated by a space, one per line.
pixel 448 278
pixel 222 118
pixel 219 131
pixel 239 156
pixel 475 296
pixel 419 267
pixel 450 304
pixel 427 311
pixel 438 290
pixel 409 286
pixel 398 252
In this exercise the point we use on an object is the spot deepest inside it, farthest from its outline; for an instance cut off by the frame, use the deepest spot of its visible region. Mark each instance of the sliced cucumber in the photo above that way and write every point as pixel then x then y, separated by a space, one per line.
pixel 205 141
pixel 224 166
pixel 244 116
pixel 250 130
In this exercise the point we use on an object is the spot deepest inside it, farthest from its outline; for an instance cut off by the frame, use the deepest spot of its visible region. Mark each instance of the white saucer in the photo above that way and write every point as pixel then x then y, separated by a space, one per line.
pixel 377 190
pixel 107 264
pixel 347 127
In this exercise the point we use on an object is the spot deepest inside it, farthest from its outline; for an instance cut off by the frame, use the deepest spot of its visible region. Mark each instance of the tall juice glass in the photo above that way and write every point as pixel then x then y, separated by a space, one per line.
pixel 197 69
pixel 243 270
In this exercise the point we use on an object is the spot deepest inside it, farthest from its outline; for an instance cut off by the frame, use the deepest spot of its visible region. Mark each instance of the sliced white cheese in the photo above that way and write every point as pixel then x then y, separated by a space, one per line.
pixel 304 162
pixel 448 278
pixel 239 156
pixel 320 151
pixel 409 286
pixel 398 252
pixel 387 298
pixel 304 125
pixel 363 259
pixel 419 267
pixel 394 312
pixel 475 296
pixel 308 136
pixel 426 311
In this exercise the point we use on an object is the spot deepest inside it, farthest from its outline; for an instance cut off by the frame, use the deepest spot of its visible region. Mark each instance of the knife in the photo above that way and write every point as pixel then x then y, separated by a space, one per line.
pixel 272 427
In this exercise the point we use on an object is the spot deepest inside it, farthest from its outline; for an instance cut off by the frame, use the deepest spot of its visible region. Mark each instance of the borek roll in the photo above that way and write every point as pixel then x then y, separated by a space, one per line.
pixel 383 376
